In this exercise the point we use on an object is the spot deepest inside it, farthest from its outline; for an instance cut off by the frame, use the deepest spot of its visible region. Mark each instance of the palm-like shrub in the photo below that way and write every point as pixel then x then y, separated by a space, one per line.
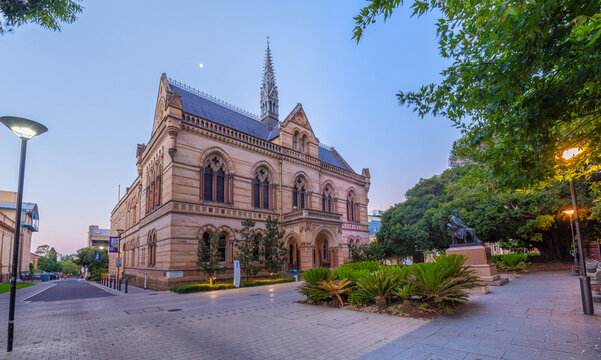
pixel 378 286
pixel 349 274
pixel 446 279
pixel 362 265
pixel 335 287
pixel 310 287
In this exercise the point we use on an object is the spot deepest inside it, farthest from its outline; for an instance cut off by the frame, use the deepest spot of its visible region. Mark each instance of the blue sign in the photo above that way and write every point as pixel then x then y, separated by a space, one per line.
pixel 96 255
pixel 114 244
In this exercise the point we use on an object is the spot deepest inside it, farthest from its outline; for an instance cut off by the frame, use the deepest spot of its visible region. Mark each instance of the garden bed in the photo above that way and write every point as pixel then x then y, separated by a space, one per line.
pixel 191 288
pixel 397 309
pixel 6 286
pixel 424 291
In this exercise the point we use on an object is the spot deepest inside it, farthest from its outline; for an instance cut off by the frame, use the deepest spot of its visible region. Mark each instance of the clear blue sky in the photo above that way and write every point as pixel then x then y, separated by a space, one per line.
pixel 95 84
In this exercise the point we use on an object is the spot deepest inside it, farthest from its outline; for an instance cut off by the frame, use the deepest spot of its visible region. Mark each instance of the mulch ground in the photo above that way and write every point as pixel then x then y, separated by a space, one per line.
pixel 396 309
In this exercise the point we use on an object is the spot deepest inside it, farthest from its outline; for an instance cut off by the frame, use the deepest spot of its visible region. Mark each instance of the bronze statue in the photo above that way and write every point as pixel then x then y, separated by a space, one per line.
pixel 460 231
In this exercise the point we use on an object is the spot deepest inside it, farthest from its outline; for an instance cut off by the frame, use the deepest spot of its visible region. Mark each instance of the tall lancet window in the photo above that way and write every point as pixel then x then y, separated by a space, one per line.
pixel 261 189
pixel 303 140
pixel 295 141
pixel 299 193
pixel 216 184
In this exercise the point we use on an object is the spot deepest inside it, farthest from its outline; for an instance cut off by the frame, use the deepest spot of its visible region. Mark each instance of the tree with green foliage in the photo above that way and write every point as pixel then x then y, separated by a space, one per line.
pixel 518 219
pixel 85 257
pixel 366 252
pixel 248 247
pixel 31 268
pixel 208 256
pixel 47 13
pixel 274 252
pixel 522 87
pixel 69 267
pixel 49 261
pixel 42 250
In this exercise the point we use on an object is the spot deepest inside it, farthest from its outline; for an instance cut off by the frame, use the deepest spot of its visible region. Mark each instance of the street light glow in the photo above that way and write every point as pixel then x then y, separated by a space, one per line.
pixel 23 128
pixel 570 153
pixel 568 212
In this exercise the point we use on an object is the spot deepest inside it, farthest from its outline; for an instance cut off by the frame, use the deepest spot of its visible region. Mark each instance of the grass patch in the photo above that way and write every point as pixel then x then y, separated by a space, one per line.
pixel 191 288
pixel 6 287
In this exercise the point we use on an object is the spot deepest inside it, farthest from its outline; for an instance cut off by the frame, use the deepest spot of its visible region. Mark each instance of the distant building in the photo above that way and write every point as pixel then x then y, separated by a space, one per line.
pixel 98 237
pixel 33 258
pixel 375 223
pixel 29 224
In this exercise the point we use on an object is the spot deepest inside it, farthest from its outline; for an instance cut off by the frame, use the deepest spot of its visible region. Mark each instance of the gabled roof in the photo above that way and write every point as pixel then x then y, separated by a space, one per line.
pixel 207 107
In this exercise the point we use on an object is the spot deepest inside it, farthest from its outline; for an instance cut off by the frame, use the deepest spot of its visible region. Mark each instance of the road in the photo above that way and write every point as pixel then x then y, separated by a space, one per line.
pixel 70 290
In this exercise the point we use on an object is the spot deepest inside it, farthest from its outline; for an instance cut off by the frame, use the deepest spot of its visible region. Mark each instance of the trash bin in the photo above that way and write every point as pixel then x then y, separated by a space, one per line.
pixel 45 277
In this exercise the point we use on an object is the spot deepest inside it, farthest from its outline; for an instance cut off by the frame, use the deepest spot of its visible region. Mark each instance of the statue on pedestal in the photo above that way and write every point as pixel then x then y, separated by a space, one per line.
pixel 462 232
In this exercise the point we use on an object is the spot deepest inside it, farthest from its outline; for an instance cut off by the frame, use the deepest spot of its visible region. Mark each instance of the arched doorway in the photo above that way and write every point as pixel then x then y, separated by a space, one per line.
pixel 293 254
pixel 323 251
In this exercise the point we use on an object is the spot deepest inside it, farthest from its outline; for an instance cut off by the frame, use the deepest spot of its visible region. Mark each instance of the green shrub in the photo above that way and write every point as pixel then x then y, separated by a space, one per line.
pixel 496 258
pixel 400 270
pixel 310 287
pixel 378 286
pixel 349 274
pixel 185 289
pixel 265 282
pixel 512 260
pixel 442 280
pixel 362 265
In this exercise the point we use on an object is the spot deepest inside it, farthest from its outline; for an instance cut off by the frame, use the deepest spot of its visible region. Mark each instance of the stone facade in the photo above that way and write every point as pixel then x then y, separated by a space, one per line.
pixel 29 219
pixel 7 234
pixel 208 166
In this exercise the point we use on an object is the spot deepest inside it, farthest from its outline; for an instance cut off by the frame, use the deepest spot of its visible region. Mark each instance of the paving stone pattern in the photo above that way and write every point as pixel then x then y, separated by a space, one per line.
pixel 249 323
pixel 536 316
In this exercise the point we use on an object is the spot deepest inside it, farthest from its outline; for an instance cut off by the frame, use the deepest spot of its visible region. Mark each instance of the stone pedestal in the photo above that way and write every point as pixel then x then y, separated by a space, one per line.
pixel 479 259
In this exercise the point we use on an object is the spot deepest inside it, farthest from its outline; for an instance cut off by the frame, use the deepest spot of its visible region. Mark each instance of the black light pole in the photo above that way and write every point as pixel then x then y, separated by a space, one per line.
pixel 569 213
pixel 585 281
pixel 119 231
pixel 25 129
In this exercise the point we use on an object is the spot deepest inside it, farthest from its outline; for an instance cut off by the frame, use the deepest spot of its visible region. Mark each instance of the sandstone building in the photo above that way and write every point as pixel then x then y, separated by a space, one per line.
pixel 29 225
pixel 209 165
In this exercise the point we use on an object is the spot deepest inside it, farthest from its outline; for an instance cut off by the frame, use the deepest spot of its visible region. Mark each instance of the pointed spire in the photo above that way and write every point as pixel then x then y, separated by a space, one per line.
pixel 269 93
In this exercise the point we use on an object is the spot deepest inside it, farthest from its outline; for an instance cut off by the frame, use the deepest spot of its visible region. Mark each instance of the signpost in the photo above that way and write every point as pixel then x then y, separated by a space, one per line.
pixel 118 262
pixel 97 255
pixel 236 273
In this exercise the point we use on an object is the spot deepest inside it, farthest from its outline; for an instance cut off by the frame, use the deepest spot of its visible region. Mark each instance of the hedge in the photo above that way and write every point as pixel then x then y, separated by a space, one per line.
pixel 185 289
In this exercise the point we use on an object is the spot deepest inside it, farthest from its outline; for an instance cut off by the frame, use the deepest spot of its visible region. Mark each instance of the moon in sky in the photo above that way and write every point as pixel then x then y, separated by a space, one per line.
pixel 201 65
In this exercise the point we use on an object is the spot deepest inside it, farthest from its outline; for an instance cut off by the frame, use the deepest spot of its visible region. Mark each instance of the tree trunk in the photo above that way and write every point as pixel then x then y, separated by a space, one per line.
pixel 381 301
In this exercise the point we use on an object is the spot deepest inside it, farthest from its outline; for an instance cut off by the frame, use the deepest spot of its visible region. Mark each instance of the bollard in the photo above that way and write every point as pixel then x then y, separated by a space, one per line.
pixel 145 276
pixel 126 285
pixel 119 284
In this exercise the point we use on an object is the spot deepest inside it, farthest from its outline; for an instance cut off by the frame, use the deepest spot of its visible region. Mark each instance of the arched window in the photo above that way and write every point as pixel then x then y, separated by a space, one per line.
pixel 152 248
pixel 216 184
pixel 208 184
pixel 220 186
pixel 261 189
pixel 299 193
pixel 295 141
pixel 303 140
pixel 221 247
pixel 327 199
pixel 352 207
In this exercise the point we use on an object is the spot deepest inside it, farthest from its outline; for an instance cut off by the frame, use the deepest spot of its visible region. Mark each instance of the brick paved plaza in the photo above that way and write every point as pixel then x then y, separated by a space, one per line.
pixel 536 316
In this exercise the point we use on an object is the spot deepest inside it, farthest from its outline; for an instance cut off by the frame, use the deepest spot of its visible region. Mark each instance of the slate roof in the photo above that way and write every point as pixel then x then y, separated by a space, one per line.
pixel 204 106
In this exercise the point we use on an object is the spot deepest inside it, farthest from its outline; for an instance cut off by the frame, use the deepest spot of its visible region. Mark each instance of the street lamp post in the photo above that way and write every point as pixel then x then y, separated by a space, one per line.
pixel 25 129
pixel 570 213
pixel 119 231
pixel 585 281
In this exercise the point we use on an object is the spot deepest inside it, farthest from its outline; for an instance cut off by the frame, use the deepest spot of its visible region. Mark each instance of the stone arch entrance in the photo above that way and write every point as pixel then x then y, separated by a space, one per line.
pixel 325 253
pixel 293 254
